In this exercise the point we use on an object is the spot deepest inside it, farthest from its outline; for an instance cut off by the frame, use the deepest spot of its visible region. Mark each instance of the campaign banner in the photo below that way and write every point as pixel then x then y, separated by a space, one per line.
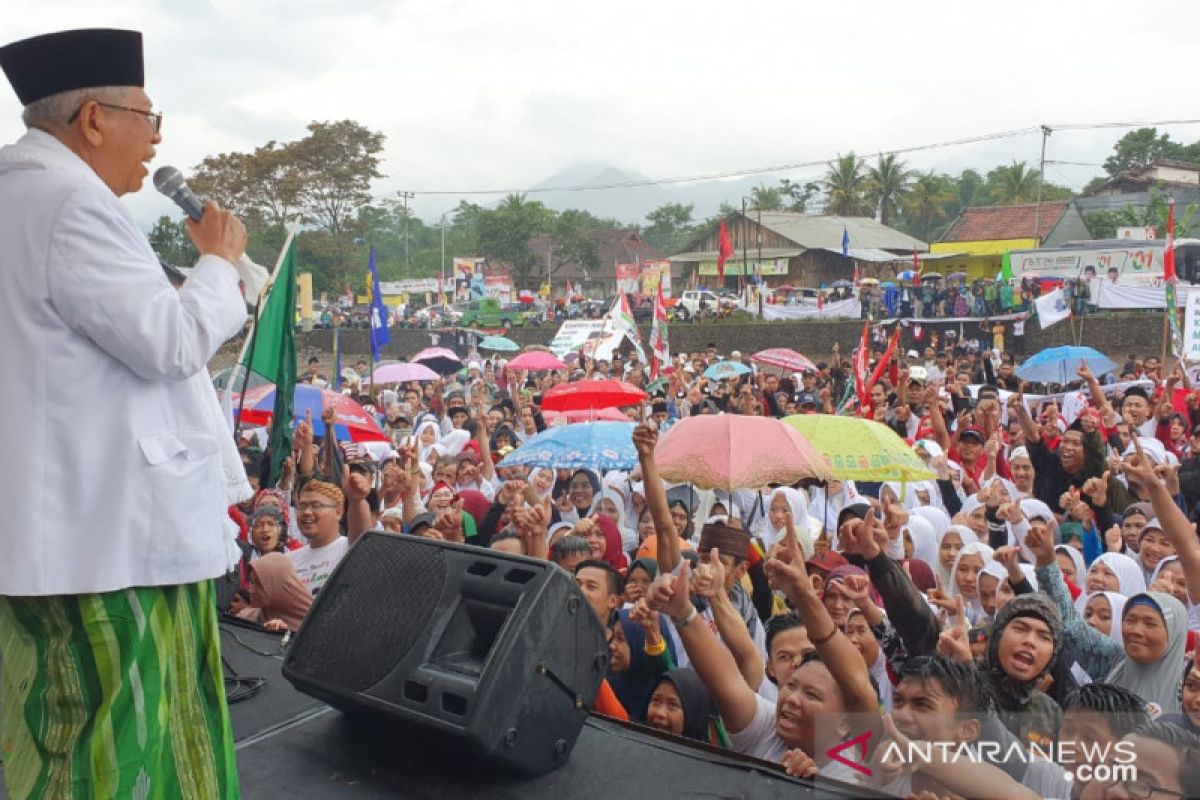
pixel 1117 295
pixel 574 334
pixel 769 266
pixel 652 271
pixel 842 309
pixel 1052 308
pixel 1191 328
pixel 627 277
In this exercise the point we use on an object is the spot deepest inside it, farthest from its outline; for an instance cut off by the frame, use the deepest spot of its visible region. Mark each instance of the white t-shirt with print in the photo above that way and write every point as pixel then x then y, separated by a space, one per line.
pixel 313 566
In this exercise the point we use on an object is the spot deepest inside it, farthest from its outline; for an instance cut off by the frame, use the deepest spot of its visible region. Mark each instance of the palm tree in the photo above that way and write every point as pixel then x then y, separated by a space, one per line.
pixel 846 186
pixel 887 184
pixel 1015 183
pixel 927 201
pixel 766 198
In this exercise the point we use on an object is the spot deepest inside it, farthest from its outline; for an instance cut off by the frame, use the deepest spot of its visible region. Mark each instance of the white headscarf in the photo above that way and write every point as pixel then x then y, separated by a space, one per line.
pixel 1116 603
pixel 967 536
pixel 973 608
pixel 798 503
pixel 936 517
pixel 1130 578
pixel 424 450
pixel 629 537
pixel 825 508
pixel 924 539
pixel 1076 559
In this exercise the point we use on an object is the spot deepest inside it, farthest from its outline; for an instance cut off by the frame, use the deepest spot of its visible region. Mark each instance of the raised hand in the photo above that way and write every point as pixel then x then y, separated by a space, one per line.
pixel 786 571
pixel 645 438
pixel 1041 543
pixel 669 593
pixel 894 516
pixel 1084 372
pixel 939 599
pixel 1097 489
pixel 709 576
pixel 355 485
pixel 643 615
pixel 1138 468
pixel 303 435
pixel 857 588
pixel 1010 558
pixel 1114 539
pixel 953 642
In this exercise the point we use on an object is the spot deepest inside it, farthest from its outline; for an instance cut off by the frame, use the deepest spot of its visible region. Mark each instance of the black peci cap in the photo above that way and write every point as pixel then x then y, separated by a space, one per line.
pixel 79 59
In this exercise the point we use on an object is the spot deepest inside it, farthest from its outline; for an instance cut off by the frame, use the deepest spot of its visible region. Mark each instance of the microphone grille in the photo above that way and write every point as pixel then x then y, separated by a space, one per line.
pixel 167 179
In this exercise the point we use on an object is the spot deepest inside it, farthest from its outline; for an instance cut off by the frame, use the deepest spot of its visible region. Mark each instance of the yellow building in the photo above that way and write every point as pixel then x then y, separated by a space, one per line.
pixel 978 239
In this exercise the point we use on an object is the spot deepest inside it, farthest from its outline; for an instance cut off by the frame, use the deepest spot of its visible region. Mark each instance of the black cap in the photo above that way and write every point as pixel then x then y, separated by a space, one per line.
pixel 421 521
pixel 80 59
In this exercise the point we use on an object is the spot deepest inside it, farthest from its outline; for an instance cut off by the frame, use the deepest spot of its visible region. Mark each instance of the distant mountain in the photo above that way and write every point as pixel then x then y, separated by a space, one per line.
pixel 631 204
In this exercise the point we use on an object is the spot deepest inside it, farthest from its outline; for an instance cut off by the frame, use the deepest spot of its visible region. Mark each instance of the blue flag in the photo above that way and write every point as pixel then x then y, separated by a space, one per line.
pixel 845 242
pixel 379 314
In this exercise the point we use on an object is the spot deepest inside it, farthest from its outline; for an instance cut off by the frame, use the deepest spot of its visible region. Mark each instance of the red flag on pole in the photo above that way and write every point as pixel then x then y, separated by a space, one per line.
pixel 660 350
pixel 916 271
pixel 1169 249
pixel 724 251
pixel 860 368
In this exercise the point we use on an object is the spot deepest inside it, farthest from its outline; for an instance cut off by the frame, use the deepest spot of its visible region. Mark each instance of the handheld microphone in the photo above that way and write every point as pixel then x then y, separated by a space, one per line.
pixel 170 182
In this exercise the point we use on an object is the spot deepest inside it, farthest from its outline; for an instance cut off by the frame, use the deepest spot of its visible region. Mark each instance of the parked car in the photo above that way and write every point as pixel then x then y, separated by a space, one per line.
pixel 690 303
pixel 487 312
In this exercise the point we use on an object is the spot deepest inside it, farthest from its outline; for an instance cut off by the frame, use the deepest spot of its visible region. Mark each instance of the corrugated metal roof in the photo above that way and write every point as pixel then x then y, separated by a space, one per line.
pixel 825 232
pixel 870 254
pixel 751 254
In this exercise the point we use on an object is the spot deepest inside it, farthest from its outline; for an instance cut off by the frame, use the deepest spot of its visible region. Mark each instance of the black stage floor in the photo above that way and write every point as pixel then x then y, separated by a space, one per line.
pixel 292 746
pixel 289 745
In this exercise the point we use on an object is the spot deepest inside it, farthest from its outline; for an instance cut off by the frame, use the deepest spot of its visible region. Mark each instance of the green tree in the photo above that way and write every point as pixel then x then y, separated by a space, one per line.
pixel 336 163
pixel 887 186
pixel 969 189
pixel 571 240
pixel 846 184
pixel 670 224
pixel 170 242
pixel 798 195
pixel 1140 147
pixel 927 204
pixel 766 198
pixel 1011 184
pixel 504 234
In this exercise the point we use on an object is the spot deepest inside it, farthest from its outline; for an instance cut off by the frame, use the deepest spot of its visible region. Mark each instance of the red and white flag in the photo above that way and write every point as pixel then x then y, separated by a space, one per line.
pixel 1169 248
pixel 660 347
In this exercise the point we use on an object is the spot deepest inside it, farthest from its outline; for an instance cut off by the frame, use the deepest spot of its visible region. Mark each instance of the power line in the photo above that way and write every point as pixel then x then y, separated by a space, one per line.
pixel 714 176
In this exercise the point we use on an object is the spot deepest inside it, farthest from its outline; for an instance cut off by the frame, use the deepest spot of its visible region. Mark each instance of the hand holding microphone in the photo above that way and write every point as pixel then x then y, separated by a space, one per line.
pixel 213 230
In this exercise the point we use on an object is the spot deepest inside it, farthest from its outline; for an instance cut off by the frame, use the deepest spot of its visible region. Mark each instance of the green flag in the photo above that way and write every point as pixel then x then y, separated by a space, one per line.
pixel 272 354
pixel 1006 267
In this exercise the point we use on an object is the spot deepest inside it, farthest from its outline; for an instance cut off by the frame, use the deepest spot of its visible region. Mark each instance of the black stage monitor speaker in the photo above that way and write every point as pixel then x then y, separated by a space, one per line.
pixel 499 652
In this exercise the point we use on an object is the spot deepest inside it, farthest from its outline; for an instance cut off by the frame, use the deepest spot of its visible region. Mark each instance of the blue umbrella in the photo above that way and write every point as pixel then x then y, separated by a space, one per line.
pixel 600 446
pixel 725 369
pixel 1058 364
pixel 842 284
pixel 499 344
pixel 906 275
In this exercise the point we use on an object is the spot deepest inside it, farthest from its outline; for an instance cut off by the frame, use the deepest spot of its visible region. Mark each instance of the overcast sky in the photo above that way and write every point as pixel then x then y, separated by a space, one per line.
pixel 478 95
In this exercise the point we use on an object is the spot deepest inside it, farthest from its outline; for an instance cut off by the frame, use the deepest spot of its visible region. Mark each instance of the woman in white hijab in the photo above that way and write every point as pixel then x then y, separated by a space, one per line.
pixel 542 481
pixel 936 517
pixel 781 501
pixel 1115 572
pixel 964 578
pixel 828 501
pixel 427 435
pixel 924 539
pixel 610 503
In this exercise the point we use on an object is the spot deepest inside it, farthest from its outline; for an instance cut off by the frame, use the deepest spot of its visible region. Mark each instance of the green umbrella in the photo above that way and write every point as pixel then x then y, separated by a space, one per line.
pixel 861 449
pixel 499 344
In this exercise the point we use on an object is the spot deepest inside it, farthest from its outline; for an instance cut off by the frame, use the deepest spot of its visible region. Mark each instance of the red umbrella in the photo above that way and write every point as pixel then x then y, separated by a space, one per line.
pixel 783 358
pixel 439 359
pixel 351 421
pixel 536 360
pixel 583 395
pixel 586 415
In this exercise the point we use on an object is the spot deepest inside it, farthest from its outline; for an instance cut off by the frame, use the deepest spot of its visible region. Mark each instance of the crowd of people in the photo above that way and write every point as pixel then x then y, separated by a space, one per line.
pixel 1033 603
pixel 936 298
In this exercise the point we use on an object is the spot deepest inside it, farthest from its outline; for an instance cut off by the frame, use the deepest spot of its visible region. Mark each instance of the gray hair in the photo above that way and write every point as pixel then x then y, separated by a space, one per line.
pixel 53 111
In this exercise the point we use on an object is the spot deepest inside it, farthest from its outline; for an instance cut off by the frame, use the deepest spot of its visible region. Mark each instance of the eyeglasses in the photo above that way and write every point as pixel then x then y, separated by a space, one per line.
pixel 1142 790
pixel 154 118
pixel 302 507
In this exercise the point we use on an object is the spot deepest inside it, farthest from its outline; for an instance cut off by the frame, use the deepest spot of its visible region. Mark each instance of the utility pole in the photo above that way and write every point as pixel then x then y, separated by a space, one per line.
pixel 442 285
pixel 1037 214
pixel 406 196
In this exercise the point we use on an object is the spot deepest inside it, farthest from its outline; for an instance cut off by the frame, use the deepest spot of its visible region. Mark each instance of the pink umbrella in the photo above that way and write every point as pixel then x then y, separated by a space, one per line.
pixel 351 422
pixel 591 394
pixel 783 358
pixel 731 451
pixel 585 415
pixel 439 359
pixel 536 360
pixel 402 373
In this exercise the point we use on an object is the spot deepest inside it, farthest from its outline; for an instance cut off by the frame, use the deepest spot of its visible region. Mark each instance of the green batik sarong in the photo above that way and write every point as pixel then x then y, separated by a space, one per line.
pixel 115 695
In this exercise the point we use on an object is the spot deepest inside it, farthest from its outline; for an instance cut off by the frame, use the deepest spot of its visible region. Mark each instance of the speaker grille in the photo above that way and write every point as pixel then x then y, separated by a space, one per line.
pixel 373 609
